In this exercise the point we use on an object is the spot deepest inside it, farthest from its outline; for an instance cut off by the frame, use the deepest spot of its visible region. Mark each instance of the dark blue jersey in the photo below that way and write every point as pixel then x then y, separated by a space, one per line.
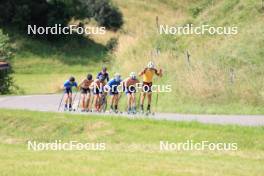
pixel 106 75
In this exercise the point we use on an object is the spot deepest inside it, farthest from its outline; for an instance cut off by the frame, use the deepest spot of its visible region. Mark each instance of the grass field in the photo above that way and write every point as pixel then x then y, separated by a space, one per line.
pixel 224 75
pixel 132 146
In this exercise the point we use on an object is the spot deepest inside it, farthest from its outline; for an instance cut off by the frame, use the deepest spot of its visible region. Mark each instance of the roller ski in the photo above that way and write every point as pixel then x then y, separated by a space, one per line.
pixel 148 113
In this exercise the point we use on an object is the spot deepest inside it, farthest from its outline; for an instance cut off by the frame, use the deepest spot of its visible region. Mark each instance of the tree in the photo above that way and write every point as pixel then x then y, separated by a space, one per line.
pixel 20 13
pixel 6 81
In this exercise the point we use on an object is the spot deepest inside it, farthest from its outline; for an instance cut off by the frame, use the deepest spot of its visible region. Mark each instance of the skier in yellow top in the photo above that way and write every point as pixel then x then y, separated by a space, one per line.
pixel 148 74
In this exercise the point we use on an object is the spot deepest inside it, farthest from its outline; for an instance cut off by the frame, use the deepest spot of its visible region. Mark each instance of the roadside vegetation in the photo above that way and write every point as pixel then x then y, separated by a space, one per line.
pixel 132 146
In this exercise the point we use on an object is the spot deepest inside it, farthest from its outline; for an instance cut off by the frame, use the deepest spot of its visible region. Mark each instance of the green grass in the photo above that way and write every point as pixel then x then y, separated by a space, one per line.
pixel 132 146
pixel 203 86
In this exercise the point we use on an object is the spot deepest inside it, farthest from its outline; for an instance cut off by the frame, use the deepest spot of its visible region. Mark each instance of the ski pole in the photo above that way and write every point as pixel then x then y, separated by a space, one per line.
pixel 157 98
pixel 73 100
pixel 61 101
pixel 91 102
pixel 79 102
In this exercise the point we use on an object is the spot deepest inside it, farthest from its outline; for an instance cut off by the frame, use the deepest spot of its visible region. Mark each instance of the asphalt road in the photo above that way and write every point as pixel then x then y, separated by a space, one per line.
pixel 49 103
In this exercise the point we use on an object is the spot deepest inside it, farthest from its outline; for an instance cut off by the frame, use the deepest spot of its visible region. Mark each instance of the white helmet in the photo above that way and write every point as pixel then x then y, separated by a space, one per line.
pixel 133 75
pixel 117 76
pixel 151 65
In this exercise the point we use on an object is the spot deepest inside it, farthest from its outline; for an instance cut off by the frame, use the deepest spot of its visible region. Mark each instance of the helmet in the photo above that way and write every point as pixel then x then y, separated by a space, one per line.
pixel 133 75
pixel 101 78
pixel 117 76
pixel 89 77
pixel 71 79
pixel 151 64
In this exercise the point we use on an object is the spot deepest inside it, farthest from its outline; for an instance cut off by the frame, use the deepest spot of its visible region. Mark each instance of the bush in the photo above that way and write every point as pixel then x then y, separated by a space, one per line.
pixel 112 44
pixel 108 15
pixel 5 75
pixel 21 13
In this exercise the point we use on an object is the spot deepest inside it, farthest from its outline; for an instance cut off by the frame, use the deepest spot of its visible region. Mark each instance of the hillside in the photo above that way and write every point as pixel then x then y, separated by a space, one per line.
pixel 224 75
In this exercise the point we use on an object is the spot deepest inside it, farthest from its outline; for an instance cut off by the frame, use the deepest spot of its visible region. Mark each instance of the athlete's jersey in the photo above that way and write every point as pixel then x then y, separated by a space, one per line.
pixel 113 82
pixel 68 84
pixel 130 82
pixel 98 84
pixel 106 75
pixel 148 74
pixel 86 83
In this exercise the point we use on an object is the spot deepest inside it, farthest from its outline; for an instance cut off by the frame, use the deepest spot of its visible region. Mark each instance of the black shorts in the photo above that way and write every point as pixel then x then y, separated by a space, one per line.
pixel 146 87
pixel 97 91
pixel 68 91
pixel 131 89
pixel 85 90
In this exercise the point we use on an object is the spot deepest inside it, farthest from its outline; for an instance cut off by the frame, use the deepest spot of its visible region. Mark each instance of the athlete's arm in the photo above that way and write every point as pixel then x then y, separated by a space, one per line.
pixel 80 85
pixel 92 85
pixel 158 73
pixel 107 77
pixel 142 72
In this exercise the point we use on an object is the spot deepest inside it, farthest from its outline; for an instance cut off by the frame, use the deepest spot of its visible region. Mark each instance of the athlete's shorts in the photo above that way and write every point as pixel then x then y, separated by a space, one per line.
pixel 131 89
pixel 68 91
pixel 97 91
pixel 113 91
pixel 146 87
pixel 85 90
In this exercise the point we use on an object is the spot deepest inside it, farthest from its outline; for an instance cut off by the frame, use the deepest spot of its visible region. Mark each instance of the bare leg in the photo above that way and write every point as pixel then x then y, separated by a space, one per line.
pixel 70 98
pixel 116 102
pixel 66 100
pixel 88 101
pixel 128 103
pixel 149 100
pixel 112 101
pixel 133 99
pixel 133 102
pixel 143 94
pixel 83 101
pixel 96 102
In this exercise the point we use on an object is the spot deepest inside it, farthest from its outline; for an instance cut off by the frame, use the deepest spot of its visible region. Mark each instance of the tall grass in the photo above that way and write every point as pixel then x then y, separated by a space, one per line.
pixel 223 70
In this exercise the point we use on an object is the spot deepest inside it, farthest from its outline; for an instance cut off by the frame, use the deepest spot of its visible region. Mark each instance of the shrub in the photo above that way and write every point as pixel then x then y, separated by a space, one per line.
pixel 6 81
pixel 20 13
pixel 108 15
pixel 112 44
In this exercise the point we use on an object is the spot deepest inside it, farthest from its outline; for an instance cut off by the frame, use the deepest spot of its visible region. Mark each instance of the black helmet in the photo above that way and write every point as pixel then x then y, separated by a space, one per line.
pixel 89 77
pixel 72 79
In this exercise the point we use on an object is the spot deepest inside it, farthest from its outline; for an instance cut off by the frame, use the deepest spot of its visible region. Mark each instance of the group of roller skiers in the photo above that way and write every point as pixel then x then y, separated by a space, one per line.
pixel 102 85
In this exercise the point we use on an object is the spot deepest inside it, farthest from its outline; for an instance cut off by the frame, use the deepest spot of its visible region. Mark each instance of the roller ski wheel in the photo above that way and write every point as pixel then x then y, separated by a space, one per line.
pixel 149 113
pixel 116 112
